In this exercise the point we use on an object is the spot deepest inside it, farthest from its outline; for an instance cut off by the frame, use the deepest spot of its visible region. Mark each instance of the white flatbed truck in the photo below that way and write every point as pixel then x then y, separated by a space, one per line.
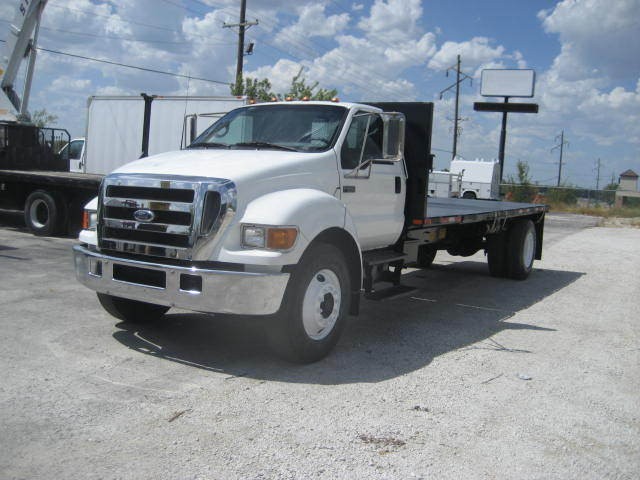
pixel 289 211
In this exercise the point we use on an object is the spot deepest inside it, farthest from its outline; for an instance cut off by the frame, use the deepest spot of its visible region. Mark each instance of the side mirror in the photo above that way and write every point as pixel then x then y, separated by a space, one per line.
pixel 393 137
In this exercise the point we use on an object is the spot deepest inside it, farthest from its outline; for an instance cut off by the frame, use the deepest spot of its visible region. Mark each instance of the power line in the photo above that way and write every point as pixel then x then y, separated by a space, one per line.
pixel 560 146
pixel 243 25
pixel 116 37
pixel 144 69
pixel 306 44
pixel 459 73
pixel 344 75
pixel 133 22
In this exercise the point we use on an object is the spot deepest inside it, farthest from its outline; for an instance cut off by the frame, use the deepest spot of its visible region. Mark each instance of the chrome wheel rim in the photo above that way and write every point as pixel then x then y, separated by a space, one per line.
pixel 39 213
pixel 528 248
pixel 321 304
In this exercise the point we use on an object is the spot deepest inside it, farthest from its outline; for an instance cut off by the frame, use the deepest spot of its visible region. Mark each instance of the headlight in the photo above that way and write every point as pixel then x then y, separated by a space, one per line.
pixel 272 238
pixel 253 237
pixel 89 219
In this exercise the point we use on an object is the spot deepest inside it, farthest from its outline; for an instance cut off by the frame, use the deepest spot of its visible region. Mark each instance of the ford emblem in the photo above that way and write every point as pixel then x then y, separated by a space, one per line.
pixel 144 215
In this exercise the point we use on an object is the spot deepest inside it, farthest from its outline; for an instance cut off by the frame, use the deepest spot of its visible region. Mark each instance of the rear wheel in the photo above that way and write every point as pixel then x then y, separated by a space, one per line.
pixel 315 306
pixel 132 311
pixel 44 213
pixel 469 195
pixel 521 249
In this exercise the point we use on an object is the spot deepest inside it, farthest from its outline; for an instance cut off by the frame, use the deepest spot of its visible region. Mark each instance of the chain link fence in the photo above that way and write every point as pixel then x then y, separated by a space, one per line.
pixel 570 196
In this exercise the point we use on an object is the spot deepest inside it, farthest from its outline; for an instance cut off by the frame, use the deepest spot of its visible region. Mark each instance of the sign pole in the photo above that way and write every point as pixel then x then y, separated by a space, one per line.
pixel 503 139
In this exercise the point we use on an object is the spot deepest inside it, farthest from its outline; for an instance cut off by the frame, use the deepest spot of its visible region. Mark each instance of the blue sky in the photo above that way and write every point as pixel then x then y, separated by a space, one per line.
pixel 586 54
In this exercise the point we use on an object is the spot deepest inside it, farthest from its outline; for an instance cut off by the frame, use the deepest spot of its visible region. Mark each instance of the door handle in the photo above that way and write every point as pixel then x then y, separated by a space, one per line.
pixel 398 185
pixel 349 189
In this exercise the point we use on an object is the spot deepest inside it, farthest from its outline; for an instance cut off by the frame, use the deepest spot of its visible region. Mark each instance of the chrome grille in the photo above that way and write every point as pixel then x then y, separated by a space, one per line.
pixel 156 216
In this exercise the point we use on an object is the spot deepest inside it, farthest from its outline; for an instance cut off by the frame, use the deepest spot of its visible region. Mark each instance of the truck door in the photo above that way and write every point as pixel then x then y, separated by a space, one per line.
pixel 75 155
pixel 373 189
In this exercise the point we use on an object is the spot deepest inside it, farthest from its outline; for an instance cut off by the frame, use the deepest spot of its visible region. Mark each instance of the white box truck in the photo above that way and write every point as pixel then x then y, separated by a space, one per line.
pixel 119 130
pixel 117 125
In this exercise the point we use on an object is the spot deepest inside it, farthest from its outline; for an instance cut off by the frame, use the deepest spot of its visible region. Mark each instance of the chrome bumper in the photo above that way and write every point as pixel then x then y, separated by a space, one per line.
pixel 213 291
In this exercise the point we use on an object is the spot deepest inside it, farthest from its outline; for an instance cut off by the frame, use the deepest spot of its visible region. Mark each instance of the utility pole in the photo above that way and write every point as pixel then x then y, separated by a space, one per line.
pixel 560 146
pixel 598 175
pixel 456 120
pixel 243 25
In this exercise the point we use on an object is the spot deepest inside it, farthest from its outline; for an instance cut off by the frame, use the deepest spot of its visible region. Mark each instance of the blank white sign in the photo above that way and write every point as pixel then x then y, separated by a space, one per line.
pixel 507 83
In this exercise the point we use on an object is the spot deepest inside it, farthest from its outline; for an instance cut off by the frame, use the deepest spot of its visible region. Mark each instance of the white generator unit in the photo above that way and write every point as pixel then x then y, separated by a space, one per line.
pixel 480 179
pixel 444 184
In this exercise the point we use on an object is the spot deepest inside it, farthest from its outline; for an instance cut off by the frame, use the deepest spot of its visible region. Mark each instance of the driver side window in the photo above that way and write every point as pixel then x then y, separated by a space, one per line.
pixel 352 152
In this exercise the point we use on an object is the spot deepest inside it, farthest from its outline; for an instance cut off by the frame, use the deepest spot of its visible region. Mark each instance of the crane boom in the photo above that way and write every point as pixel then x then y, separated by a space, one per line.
pixel 20 44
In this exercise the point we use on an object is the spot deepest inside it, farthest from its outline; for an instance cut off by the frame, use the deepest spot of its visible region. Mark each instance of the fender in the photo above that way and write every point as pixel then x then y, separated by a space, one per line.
pixel 311 211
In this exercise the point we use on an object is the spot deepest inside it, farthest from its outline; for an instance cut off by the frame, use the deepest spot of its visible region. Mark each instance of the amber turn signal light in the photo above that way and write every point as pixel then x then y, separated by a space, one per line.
pixel 281 238
pixel 85 220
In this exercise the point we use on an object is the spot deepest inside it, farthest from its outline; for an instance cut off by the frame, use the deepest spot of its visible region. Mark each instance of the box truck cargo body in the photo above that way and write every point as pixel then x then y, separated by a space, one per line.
pixel 116 126
pixel 52 189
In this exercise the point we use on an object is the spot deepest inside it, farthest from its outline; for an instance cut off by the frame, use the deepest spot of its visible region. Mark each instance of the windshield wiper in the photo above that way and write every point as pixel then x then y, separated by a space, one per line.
pixel 208 145
pixel 264 145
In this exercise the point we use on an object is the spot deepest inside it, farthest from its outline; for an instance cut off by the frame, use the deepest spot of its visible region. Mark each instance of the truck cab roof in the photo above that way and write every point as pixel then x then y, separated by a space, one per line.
pixel 347 105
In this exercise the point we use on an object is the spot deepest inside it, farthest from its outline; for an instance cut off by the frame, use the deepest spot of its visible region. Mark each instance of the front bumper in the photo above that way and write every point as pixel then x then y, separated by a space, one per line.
pixel 203 290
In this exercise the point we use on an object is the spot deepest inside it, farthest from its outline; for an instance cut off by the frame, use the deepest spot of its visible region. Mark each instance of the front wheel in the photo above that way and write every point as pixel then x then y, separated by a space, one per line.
pixel 132 311
pixel 315 306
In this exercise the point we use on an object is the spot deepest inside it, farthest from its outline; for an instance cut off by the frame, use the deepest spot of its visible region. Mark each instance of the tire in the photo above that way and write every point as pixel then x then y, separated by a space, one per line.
pixel 44 213
pixel 497 254
pixel 132 311
pixel 426 255
pixel 521 249
pixel 314 308
pixel 469 195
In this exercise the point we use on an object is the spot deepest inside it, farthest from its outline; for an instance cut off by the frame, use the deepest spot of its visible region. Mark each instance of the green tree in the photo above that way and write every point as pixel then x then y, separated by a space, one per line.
pixel 612 185
pixel 522 190
pixel 299 89
pixel 42 118
pixel 260 90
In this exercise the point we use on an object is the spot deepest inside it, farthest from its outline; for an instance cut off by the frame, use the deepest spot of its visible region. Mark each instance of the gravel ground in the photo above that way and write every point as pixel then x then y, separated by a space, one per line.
pixel 465 377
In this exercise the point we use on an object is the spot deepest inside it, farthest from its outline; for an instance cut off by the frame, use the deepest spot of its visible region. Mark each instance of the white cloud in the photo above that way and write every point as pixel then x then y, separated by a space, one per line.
pixel 393 20
pixel 476 53
pixel 312 22
pixel 599 38
pixel 279 75
pixel 70 83
pixel 583 90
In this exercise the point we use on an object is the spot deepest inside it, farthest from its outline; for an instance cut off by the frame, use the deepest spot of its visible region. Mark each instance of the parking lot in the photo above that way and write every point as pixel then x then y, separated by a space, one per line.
pixel 467 376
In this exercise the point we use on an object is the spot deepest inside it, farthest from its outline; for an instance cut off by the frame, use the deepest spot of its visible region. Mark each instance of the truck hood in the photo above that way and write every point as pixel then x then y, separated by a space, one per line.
pixel 239 166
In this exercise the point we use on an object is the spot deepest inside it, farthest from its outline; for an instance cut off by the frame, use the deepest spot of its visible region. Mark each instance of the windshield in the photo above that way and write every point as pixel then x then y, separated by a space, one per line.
pixel 304 128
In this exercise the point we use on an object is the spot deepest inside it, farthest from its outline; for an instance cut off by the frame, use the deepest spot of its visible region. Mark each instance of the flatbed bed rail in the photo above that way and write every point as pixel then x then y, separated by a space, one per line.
pixel 72 179
pixel 451 211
